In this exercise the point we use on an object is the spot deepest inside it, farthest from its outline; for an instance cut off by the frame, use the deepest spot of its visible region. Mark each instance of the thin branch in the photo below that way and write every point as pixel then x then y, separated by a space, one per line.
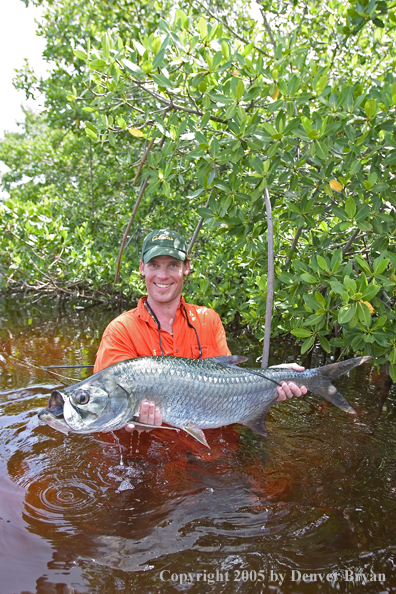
pixel 175 106
pixel 91 179
pixel 350 242
pixel 135 208
pixel 270 281
pixel 143 160
pixel 294 244
pixel 198 227
pixel 268 28
pixel 230 29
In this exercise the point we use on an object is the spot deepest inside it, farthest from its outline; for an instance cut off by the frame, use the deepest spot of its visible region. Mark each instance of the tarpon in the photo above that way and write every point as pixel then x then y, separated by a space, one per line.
pixel 192 394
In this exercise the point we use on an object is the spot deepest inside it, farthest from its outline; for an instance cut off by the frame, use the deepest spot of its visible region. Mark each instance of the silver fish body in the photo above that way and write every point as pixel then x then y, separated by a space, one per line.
pixel 192 394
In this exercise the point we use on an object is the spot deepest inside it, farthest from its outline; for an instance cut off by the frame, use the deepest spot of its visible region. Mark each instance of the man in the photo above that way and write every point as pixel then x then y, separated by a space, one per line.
pixel 163 323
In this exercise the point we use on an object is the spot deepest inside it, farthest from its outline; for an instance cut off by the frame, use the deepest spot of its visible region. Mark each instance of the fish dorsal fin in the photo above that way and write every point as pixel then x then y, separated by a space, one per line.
pixel 233 360
pixel 257 423
pixel 197 434
pixel 229 360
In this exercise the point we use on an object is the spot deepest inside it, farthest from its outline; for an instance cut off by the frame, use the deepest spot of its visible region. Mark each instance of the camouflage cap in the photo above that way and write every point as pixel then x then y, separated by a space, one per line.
pixel 164 242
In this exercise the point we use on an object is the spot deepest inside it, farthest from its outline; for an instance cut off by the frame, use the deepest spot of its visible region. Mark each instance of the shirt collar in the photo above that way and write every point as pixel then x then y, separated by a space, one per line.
pixel 145 315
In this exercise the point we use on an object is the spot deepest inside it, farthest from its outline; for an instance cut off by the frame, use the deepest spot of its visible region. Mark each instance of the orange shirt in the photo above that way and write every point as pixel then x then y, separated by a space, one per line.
pixel 135 334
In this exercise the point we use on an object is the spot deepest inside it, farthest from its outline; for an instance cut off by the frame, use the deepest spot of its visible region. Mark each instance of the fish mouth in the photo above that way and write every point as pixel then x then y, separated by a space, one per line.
pixel 55 404
pixel 53 415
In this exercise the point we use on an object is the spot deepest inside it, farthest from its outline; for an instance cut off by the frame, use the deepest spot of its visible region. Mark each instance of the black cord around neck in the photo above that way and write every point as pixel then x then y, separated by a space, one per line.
pixel 158 324
pixel 159 328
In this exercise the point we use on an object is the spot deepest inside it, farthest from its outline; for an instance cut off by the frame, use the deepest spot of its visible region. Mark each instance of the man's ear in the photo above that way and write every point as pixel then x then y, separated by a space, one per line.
pixel 187 268
pixel 141 266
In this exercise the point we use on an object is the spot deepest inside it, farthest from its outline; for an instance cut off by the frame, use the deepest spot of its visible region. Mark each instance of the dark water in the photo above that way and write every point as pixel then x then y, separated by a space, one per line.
pixel 312 508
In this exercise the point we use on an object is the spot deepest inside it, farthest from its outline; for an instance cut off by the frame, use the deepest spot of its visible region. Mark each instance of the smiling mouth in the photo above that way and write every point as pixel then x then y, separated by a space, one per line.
pixel 162 286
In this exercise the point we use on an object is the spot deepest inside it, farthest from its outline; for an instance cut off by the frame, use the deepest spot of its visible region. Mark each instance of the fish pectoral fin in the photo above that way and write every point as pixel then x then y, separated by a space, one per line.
pixel 229 360
pixel 147 426
pixel 257 424
pixel 197 434
pixel 331 394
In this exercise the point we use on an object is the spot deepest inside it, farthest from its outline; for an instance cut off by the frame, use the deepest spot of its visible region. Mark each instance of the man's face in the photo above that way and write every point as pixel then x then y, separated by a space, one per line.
pixel 164 277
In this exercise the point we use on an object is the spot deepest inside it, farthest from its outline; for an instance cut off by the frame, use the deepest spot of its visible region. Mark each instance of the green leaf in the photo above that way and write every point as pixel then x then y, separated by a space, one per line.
pixel 307 344
pixel 301 332
pixel 380 264
pixel 205 213
pixel 91 134
pixel 321 84
pixel 315 319
pixel 350 207
pixel 308 278
pixel 320 299
pixel 202 28
pixel 364 314
pixel 362 264
pixel 392 372
pixel 370 292
pixel 97 64
pixel 324 343
pixel 380 322
pixel 106 45
pixel 161 80
pixel 225 49
pixel 321 150
pixel 350 285
pixel 131 66
pixel 346 313
pixel 159 58
pixel 370 107
pixel 362 213
pixel 80 54
pixel 322 264
pixel 240 89
pixel 339 212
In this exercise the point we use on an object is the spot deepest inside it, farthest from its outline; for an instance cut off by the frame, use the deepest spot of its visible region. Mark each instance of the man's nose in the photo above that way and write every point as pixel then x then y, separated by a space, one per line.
pixel 162 272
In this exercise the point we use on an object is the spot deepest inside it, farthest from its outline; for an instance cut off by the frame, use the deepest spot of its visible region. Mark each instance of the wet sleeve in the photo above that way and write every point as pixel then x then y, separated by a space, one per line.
pixel 116 345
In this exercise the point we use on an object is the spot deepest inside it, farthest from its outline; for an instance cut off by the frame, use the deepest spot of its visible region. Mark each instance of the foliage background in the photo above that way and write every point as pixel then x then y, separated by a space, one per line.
pixel 233 98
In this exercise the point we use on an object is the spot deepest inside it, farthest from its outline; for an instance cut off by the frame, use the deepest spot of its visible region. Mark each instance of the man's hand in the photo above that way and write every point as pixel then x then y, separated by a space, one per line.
pixel 149 414
pixel 290 389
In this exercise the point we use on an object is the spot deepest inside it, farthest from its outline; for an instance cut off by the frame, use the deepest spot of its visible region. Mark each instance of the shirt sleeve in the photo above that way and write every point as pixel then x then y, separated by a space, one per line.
pixel 220 337
pixel 116 345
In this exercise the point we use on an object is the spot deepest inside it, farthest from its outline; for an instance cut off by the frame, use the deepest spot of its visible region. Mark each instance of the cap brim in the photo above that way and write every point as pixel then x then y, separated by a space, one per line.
pixel 163 251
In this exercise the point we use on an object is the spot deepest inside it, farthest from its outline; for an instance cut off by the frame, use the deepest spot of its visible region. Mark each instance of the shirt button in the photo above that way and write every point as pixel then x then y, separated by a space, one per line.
pixel 177 350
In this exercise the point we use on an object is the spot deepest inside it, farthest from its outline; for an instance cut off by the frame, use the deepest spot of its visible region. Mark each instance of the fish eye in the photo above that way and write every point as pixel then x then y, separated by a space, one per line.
pixel 82 397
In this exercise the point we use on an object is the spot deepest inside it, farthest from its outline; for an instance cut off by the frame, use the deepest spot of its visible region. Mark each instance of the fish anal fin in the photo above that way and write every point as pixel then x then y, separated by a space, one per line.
pixel 257 424
pixel 331 394
pixel 197 434
pixel 147 426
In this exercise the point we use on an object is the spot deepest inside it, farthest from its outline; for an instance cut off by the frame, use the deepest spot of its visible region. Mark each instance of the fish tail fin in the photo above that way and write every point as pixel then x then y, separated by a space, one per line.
pixel 330 372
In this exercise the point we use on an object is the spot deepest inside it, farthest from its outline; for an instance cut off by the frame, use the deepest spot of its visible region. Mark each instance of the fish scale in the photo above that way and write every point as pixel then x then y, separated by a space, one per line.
pixel 192 394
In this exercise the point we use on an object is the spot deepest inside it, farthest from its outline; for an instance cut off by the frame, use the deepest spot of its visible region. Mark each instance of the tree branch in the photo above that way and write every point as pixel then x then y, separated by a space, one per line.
pixel 135 208
pixel 268 28
pixel 270 281
pixel 294 244
pixel 230 29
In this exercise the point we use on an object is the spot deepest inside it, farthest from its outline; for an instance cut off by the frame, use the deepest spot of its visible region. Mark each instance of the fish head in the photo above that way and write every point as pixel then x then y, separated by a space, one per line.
pixel 88 407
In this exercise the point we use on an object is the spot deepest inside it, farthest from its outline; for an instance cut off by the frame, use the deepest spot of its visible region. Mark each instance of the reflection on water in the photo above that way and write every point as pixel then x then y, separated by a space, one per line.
pixel 311 508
